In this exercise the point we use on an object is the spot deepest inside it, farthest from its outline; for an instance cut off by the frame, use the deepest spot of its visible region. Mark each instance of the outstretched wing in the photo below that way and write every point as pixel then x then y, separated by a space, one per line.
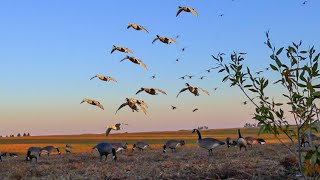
pixel 204 90
pixel 182 90
pixel 194 12
pixel 124 59
pixel 111 79
pixel 129 26
pixel 113 49
pixel 122 105
pixel 144 29
pixel 142 108
pixel 155 40
pixel 108 131
pixel 93 77
pixel 180 10
pixel 99 104
pixel 173 40
pixel 129 51
pixel 140 91
pixel 142 65
pixel 161 91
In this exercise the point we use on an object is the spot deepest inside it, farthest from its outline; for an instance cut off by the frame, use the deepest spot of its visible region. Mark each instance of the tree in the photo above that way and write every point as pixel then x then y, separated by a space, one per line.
pixel 28 134
pixel 18 135
pixel 299 76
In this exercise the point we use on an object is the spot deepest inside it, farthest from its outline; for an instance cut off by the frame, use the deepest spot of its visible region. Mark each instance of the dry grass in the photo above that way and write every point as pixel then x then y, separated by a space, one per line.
pixel 261 162
pixel 270 161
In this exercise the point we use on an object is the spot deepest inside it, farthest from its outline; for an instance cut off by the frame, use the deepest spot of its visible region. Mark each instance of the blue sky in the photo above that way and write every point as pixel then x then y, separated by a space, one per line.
pixel 50 49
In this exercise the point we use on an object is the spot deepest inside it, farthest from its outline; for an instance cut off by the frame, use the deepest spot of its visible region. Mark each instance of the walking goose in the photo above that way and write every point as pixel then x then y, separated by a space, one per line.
pixel 173 144
pixel 166 40
pixel 136 61
pixel 92 102
pixel 50 149
pixel 32 153
pixel 186 9
pixel 68 149
pixel 121 49
pixel 152 91
pixel 230 142
pixel 137 27
pixel 193 90
pixel 104 78
pixel 115 127
pixel 140 145
pixel 135 105
pixel 207 143
pixel 119 146
pixel 241 142
pixel 104 149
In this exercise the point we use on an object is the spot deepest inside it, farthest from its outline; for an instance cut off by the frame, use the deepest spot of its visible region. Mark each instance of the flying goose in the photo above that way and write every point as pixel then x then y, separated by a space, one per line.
pixel 173 144
pixel 153 77
pixel 104 149
pixel 104 78
pixel 196 109
pixel 152 91
pixel 208 143
pixel 68 149
pixel 50 149
pixel 140 145
pixel 115 127
pixel 137 27
pixel 173 107
pixel 166 40
pixel 193 90
pixel 202 77
pixel 121 49
pixel 241 142
pixel 186 9
pixel 135 105
pixel 92 102
pixel 119 146
pixel 136 61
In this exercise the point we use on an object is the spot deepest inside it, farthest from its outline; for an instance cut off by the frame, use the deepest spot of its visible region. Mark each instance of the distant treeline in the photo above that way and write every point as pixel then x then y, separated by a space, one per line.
pixel 18 135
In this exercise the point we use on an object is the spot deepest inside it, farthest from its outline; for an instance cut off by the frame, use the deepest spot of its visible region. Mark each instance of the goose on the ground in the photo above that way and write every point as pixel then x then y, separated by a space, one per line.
pixel 68 149
pixel 152 91
pixel 92 102
pixel 32 153
pixel 186 9
pixel 230 142
pixel 104 149
pixel 207 143
pixel 193 90
pixel 49 149
pixel 173 144
pixel 119 146
pixel 137 27
pixel 135 61
pixel 140 145
pixel 241 142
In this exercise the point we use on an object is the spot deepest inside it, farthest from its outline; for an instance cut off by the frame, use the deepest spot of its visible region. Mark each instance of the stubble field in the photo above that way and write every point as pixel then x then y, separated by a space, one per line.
pixel 271 161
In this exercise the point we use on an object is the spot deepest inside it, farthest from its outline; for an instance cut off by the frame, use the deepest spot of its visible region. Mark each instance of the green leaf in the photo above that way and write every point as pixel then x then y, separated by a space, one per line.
pixel 303 52
pixel 253 90
pixel 316 94
pixel 247 86
pixel 225 78
pixel 314 158
pixel 316 86
pixel 279 51
pixel 314 67
pixel 301 85
pixel 274 67
pixel 278 61
pixel 269 44
pixel 221 70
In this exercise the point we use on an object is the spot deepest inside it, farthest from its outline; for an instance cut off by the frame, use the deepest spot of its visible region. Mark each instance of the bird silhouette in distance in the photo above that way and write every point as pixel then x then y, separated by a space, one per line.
pixel 165 40
pixel 196 109
pixel 193 90
pixel 173 107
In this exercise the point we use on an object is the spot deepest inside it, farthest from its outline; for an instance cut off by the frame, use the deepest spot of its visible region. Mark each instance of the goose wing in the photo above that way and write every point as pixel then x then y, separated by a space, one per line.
pixel 93 77
pixel 203 90
pixel 194 12
pixel 113 49
pixel 182 90
pixel 124 59
pixel 108 131
pixel 142 108
pixel 112 79
pixel 122 105
pixel 155 39
pixel 142 65
pixel 129 51
pixel 173 40
pixel 139 91
pixel 99 104
pixel 161 91
pixel 144 29
pixel 179 11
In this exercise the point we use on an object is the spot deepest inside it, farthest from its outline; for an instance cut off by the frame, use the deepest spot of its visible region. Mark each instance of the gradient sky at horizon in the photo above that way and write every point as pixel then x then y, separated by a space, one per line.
pixel 50 49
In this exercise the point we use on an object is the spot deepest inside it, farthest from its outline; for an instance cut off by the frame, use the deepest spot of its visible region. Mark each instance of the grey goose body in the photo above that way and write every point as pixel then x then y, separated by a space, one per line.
pixel 173 144
pixel 105 149
pixel 207 143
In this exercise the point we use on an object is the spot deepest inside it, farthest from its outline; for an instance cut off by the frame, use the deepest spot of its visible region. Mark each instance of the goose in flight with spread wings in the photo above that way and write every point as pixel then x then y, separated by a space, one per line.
pixel 135 105
pixel 115 127
pixel 186 9
pixel 136 61
pixel 152 91
pixel 92 102
pixel 193 90
pixel 104 78
pixel 137 27
pixel 121 49
pixel 166 40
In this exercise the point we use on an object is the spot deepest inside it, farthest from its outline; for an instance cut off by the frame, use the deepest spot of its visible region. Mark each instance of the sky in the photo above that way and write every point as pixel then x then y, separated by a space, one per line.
pixel 49 50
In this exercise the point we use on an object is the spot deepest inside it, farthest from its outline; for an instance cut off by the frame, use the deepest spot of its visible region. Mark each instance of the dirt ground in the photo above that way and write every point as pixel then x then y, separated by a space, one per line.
pixel 259 162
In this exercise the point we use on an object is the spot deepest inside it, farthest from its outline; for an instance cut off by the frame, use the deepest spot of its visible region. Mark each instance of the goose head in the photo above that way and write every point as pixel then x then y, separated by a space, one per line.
pixel 187 84
pixel 164 149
